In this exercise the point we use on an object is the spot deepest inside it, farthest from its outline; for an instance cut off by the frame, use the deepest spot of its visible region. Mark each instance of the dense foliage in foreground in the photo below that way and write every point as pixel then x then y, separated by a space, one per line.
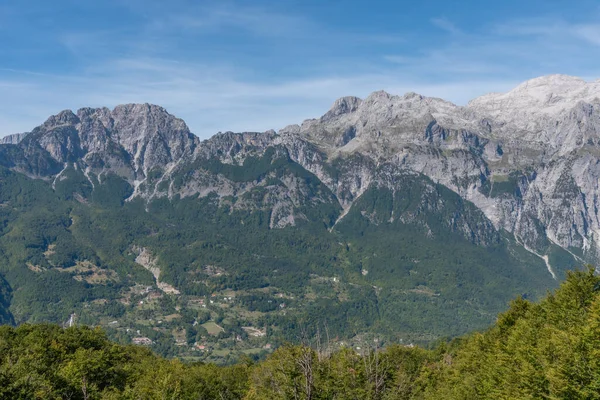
pixel 550 349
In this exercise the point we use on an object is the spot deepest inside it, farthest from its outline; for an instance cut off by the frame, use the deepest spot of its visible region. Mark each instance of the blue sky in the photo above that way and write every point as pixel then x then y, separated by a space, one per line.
pixel 256 65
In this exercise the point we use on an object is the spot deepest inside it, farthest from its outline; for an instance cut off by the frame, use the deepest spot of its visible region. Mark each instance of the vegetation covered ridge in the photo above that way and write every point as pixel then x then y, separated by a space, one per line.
pixel 549 349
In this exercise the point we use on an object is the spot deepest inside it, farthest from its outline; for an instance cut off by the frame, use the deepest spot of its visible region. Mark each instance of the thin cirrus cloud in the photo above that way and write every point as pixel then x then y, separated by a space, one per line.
pixel 446 25
pixel 211 104
pixel 515 50
pixel 551 28
pixel 255 20
pixel 224 67
pixel 590 32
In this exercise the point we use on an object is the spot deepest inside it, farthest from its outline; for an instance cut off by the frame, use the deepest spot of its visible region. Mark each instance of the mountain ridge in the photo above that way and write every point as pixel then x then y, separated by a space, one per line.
pixel 408 131
pixel 380 209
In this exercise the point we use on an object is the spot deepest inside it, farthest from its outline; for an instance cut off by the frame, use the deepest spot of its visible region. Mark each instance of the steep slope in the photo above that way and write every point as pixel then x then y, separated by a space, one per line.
pixel 527 159
pixel 404 215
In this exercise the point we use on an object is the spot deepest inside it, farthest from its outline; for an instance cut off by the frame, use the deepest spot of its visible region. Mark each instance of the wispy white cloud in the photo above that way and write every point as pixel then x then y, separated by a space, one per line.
pixel 590 33
pixel 232 93
pixel 517 49
pixel 446 25
pixel 220 16
pixel 554 29
pixel 209 102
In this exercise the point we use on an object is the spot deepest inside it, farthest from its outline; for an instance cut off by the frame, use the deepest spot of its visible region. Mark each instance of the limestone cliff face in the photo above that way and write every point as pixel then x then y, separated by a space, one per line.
pixel 129 140
pixel 528 159
pixel 13 139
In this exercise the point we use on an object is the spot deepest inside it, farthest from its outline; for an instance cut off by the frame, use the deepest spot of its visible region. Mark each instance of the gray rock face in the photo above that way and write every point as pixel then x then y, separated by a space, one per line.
pixel 130 140
pixel 13 139
pixel 529 159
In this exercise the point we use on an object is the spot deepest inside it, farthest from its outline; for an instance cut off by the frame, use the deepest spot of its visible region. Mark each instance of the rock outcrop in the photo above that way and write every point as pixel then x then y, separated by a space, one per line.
pixel 13 139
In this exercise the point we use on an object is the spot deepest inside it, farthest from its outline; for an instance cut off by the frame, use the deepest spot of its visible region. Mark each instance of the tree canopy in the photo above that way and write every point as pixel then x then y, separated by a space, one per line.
pixel 549 349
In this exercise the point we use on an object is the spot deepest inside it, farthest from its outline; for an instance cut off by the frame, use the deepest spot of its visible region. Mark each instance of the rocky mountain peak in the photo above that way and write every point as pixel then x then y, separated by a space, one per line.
pixel 141 109
pixel 553 82
pixel 381 100
pixel 88 112
pixel 131 139
pixel 146 119
pixel 378 99
pixel 65 117
pixel 379 95
pixel 413 95
pixel 553 113
pixel 342 106
pixel 353 125
pixel 149 134
pixel 544 96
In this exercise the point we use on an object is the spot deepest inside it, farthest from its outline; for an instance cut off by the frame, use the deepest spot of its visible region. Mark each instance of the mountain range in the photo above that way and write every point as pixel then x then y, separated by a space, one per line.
pixel 405 216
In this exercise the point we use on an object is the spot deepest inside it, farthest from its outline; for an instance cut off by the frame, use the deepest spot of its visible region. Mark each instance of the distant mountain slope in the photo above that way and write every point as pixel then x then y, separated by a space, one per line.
pixel 405 215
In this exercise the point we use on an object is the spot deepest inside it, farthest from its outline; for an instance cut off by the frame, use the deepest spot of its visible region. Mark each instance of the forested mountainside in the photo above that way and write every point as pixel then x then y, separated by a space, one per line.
pixel 405 216
pixel 548 349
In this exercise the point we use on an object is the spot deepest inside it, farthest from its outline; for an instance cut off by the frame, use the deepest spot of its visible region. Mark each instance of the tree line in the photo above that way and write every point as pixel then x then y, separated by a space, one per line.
pixel 549 349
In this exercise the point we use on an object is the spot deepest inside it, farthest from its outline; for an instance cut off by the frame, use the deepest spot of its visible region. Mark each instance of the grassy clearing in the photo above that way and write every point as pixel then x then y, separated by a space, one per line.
pixel 212 328
pixel 221 353
pixel 255 350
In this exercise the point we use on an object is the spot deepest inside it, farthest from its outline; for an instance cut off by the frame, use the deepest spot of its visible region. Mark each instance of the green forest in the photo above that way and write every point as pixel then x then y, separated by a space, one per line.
pixel 535 350
pixel 397 265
